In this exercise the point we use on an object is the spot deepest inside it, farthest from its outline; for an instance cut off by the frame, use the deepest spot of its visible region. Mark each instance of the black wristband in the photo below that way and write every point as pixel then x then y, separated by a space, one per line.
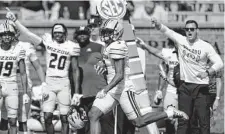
pixel 207 72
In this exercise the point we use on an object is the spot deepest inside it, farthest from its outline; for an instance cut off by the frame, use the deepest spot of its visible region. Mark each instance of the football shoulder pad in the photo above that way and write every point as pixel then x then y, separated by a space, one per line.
pixel 118 50
pixel 47 38
pixel 74 48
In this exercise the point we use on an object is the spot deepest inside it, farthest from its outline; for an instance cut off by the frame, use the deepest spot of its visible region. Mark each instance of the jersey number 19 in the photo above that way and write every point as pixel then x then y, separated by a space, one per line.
pixel 8 66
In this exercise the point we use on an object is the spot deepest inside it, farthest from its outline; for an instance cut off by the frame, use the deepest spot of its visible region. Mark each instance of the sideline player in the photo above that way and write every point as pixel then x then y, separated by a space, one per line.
pixel 170 59
pixel 60 54
pixel 12 55
pixel 31 59
pixel 120 89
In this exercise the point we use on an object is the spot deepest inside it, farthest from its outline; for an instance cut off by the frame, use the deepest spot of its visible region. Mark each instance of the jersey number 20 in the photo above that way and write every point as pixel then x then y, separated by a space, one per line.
pixel 7 66
pixel 61 61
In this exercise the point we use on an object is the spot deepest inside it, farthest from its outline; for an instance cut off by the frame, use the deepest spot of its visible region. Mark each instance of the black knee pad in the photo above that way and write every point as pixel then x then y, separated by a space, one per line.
pixel 48 118
pixel 22 126
pixel 12 122
pixel 63 118
pixel 4 124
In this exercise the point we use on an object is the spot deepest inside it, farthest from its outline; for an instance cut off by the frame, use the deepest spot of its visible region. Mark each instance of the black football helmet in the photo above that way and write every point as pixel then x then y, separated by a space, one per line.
pixel 77 117
pixel 82 35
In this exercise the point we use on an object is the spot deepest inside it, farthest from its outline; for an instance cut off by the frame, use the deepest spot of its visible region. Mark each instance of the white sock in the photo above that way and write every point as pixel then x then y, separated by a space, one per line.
pixel 4 132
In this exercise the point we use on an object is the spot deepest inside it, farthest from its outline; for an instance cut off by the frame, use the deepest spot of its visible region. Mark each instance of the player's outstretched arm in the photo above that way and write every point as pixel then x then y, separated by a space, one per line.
pixel 162 74
pixel 150 49
pixel 35 39
pixel 176 37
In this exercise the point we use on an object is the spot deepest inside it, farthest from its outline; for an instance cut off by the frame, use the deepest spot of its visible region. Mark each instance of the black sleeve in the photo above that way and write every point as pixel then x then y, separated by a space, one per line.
pixel 176 76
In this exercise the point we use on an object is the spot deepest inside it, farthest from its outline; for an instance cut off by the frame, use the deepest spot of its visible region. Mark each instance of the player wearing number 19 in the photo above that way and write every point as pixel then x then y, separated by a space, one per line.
pixel 12 55
pixel 60 53
pixel 31 60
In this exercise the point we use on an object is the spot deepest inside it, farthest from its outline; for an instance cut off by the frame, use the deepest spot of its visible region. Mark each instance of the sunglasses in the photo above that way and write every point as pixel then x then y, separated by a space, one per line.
pixel 191 29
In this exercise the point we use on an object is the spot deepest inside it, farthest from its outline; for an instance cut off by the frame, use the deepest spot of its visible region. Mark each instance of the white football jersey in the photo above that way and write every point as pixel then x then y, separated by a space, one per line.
pixel 117 50
pixel 171 60
pixel 9 62
pixel 30 57
pixel 58 56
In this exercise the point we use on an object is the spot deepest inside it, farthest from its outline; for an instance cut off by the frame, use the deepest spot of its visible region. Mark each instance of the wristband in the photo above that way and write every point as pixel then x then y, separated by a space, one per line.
pixel 217 97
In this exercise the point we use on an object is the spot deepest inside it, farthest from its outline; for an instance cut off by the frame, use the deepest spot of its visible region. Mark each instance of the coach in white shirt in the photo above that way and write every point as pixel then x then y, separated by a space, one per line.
pixel 194 91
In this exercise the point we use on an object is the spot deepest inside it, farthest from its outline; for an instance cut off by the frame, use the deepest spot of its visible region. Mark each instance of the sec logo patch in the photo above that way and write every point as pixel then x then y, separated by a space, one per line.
pixel 111 9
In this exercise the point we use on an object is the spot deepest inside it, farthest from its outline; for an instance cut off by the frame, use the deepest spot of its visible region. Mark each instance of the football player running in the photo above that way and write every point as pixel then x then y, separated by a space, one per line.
pixel 60 53
pixel 31 59
pixel 120 89
pixel 11 57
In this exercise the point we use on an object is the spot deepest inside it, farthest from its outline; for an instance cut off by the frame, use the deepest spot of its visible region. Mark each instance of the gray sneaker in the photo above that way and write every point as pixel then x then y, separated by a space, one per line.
pixel 177 113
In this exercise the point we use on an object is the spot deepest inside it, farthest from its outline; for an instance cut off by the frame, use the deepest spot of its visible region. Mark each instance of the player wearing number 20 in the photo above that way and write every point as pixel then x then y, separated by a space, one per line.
pixel 60 53
pixel 11 56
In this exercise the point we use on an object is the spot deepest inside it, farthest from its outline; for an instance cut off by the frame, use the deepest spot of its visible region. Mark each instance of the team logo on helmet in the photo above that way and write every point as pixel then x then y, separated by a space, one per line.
pixel 111 9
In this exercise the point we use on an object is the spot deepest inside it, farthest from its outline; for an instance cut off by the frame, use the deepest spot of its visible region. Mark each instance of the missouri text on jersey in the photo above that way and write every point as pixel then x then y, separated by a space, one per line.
pixel 57 50
pixel 8 57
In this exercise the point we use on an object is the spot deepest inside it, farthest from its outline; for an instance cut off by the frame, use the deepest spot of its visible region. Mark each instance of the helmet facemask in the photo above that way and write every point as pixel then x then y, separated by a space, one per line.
pixel 7 34
pixel 111 31
pixel 106 35
pixel 7 37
